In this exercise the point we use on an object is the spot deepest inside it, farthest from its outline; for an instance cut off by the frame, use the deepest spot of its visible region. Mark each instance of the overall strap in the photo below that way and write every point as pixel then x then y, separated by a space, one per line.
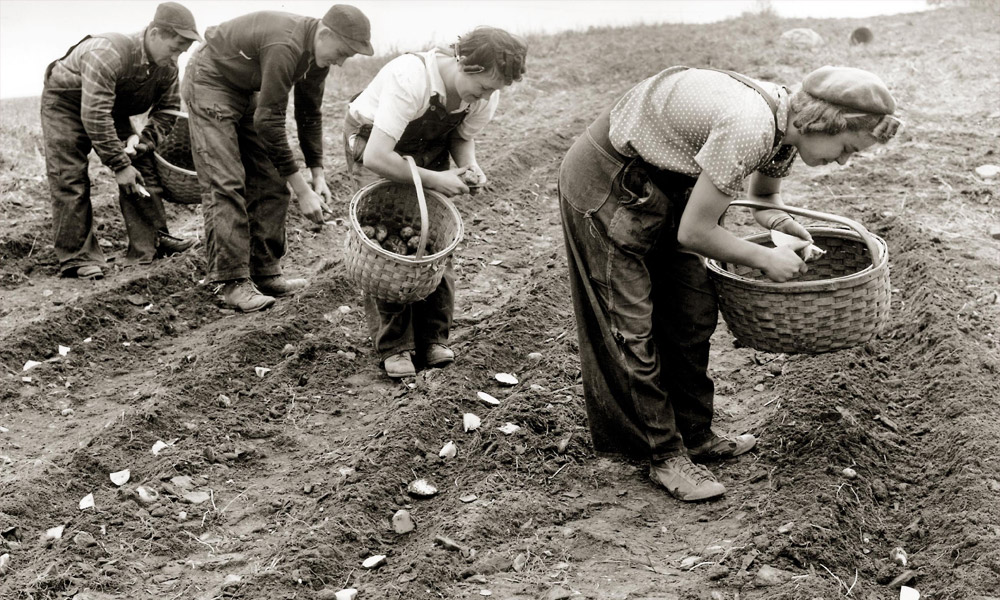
pixel 48 69
pixel 767 97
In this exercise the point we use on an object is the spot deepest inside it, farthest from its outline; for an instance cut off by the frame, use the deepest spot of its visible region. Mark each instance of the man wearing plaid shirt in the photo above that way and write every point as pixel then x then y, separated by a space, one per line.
pixel 88 97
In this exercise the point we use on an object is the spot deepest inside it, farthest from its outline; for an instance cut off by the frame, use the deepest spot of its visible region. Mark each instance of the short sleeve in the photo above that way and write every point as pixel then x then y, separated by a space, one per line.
pixel 480 114
pixel 738 143
pixel 403 95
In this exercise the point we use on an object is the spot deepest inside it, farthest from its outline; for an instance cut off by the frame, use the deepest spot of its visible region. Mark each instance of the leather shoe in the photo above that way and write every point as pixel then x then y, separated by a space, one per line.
pixel 244 296
pixel 438 355
pixel 399 365
pixel 685 480
pixel 167 245
pixel 279 285
pixel 85 272
pixel 720 447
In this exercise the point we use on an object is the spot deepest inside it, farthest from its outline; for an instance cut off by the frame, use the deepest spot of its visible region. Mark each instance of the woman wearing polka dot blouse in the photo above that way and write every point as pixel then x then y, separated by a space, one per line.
pixel 641 195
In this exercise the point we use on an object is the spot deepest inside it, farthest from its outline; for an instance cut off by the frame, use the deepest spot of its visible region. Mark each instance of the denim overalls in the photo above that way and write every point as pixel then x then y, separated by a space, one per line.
pixel 67 146
pixel 645 310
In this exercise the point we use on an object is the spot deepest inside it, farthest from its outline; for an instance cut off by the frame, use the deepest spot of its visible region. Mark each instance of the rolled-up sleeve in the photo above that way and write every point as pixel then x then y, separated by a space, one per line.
pixel 277 64
pixel 309 115
pixel 98 73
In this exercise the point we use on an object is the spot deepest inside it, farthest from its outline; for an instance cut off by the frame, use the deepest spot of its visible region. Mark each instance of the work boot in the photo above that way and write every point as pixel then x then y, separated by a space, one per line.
pixel 167 245
pixel 244 296
pixel 685 480
pixel 438 355
pixel 719 447
pixel 279 285
pixel 85 272
pixel 399 365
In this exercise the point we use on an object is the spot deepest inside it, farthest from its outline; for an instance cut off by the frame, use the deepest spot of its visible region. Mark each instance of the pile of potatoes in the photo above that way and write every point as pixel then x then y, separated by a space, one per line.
pixel 404 242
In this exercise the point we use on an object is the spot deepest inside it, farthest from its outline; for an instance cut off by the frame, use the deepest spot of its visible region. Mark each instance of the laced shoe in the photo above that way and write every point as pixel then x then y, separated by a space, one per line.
pixel 244 296
pixel 685 480
pixel 279 285
pixel 719 447
pixel 399 365
pixel 438 355
pixel 167 245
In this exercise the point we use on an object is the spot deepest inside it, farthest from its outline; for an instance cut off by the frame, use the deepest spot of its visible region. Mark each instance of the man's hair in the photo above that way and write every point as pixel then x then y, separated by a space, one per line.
pixel 813 115
pixel 489 49
pixel 166 31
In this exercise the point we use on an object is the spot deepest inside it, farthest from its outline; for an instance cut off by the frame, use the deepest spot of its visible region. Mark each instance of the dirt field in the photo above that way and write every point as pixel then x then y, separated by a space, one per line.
pixel 302 469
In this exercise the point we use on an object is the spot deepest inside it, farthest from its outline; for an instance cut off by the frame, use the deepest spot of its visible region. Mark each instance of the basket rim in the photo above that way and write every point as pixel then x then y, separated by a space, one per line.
pixel 173 167
pixel 873 270
pixel 429 258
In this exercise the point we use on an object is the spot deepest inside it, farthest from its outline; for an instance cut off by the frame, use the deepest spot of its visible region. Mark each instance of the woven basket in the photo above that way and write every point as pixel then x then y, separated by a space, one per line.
pixel 841 302
pixel 175 164
pixel 393 277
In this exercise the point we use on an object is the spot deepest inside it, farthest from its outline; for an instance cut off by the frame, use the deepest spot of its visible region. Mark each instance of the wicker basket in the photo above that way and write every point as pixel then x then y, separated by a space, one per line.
pixel 175 164
pixel 843 300
pixel 393 277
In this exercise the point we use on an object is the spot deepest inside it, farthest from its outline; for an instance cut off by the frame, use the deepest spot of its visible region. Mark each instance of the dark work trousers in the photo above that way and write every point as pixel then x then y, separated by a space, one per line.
pixel 394 327
pixel 67 147
pixel 244 199
pixel 645 310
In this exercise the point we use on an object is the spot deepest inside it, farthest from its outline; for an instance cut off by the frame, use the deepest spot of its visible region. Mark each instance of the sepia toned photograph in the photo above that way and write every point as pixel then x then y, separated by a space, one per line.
pixel 525 300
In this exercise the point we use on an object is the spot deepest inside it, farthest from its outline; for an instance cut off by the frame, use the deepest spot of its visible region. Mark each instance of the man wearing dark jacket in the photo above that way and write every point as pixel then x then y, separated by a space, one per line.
pixel 88 97
pixel 236 88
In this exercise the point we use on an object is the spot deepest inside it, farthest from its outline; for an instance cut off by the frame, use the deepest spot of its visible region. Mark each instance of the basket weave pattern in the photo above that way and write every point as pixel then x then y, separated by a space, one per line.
pixel 843 301
pixel 176 165
pixel 392 277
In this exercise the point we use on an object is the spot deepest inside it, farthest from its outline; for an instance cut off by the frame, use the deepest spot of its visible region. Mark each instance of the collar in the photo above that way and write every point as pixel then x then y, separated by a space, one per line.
pixel 140 38
pixel 437 83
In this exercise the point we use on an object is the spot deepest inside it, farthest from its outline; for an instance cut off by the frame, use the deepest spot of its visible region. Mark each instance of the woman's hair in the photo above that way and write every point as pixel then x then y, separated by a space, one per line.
pixel 813 115
pixel 493 50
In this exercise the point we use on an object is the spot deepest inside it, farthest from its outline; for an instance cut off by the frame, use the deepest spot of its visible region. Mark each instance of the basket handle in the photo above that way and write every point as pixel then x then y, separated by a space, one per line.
pixel 858 228
pixel 422 248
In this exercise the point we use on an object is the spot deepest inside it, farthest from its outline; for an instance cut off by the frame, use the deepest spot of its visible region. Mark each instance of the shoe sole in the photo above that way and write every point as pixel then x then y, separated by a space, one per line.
pixel 440 363
pixel 707 457
pixel 264 306
pixel 690 498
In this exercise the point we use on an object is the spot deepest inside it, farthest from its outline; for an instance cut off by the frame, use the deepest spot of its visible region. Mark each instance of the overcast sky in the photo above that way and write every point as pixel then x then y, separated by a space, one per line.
pixel 36 32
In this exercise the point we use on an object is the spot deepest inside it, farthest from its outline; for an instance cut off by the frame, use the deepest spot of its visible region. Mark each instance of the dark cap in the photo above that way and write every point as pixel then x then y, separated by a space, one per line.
pixel 852 88
pixel 178 18
pixel 352 26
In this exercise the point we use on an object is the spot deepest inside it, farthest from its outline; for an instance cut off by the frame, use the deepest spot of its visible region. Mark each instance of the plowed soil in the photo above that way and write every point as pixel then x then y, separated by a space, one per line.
pixel 303 466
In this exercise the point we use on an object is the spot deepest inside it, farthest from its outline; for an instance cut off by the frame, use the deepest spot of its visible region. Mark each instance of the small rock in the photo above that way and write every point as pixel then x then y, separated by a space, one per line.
pixel 988 171
pixel 402 522
pixel 904 578
pixel 120 478
pixel 449 450
pixel 487 399
pixel 224 401
pixel 898 556
pixel 519 562
pixel 470 422
pixel 84 540
pixel 850 473
pixel 54 533
pixel 690 561
pixel 288 350
pixel 509 429
pixel 421 488
pixel 534 356
pixel 787 527
pixel 231 580
pixel 769 576
pixel 374 562
pixel 506 378
pixel 468 498
pixel 557 593
pixel 197 497
pixel 87 502
pixel 147 495
pixel 66 412
pixel 447 543
pixel 563 444
pixel 4 563
pixel 759 387
pixel 346 594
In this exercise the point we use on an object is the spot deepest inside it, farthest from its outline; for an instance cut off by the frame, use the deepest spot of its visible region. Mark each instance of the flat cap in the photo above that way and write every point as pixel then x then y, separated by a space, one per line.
pixel 852 88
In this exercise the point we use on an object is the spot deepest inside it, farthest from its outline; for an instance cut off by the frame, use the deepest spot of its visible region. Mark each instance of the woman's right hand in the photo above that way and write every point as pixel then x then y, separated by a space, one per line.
pixel 783 264
pixel 448 183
